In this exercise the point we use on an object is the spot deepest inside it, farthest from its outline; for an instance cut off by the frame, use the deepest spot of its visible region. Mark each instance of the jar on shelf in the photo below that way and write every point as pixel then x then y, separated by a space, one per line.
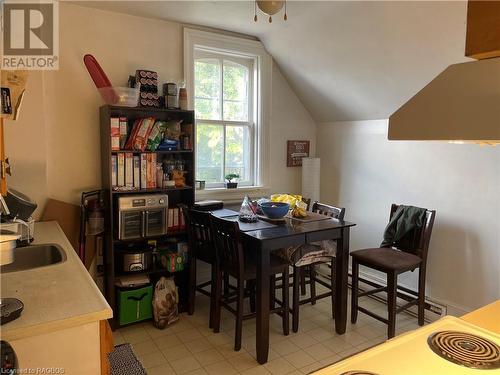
pixel 167 182
pixel 159 174
pixel 185 142
pixel 168 165
pixel 180 164
pixel 183 100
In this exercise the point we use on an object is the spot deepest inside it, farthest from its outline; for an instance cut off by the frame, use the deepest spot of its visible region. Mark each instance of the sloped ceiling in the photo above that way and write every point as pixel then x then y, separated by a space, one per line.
pixel 346 60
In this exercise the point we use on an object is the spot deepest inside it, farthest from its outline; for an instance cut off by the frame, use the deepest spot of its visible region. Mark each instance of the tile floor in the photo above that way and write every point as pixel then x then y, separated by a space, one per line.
pixel 190 347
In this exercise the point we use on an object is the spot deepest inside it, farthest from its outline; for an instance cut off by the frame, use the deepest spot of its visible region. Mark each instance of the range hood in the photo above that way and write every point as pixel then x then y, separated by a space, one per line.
pixel 462 104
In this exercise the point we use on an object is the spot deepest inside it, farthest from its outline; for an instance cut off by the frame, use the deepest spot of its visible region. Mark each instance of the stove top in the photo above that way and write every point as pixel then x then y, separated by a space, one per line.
pixel 448 346
pixel 465 349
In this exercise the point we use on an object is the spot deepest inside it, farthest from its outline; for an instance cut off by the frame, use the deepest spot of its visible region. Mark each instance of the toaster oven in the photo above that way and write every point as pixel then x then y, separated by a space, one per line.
pixel 142 216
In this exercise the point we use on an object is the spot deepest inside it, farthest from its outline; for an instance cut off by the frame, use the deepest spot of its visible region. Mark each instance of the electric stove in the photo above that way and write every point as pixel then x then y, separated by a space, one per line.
pixel 448 346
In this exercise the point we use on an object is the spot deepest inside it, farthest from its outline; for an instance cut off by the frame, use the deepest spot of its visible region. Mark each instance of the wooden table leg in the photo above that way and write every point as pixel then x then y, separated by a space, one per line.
pixel 341 271
pixel 262 338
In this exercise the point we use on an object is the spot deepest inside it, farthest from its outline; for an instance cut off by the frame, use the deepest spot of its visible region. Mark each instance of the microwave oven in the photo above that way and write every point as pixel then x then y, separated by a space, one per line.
pixel 142 216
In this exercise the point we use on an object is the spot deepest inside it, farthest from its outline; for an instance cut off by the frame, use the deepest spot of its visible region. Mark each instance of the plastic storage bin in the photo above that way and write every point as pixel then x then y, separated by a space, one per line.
pixel 120 96
pixel 135 305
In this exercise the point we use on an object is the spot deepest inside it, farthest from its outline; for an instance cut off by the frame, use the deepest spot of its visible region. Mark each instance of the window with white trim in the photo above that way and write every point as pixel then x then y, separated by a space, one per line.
pixel 228 80
pixel 224 100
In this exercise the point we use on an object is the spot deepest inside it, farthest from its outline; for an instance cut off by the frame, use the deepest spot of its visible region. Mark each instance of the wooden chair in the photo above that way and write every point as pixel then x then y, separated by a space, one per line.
pixel 300 272
pixel 200 248
pixel 232 259
pixel 392 262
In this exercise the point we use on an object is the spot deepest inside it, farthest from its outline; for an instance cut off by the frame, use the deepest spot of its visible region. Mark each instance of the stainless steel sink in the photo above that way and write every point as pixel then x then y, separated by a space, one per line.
pixel 35 256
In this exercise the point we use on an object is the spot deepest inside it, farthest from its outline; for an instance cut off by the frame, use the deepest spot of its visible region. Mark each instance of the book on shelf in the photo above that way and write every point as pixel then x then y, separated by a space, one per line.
pixel 175 220
pixel 170 220
pixel 182 223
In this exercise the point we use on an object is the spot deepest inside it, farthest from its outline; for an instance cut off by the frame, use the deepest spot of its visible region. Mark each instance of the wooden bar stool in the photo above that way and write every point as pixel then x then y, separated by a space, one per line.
pixel 301 272
pixel 394 261
pixel 231 259
pixel 200 248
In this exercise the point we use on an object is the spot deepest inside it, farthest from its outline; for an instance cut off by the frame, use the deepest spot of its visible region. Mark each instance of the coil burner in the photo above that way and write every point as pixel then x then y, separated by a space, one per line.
pixel 465 349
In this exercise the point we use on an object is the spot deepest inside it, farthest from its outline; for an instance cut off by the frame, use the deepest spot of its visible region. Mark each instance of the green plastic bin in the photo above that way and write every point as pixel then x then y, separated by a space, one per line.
pixel 135 305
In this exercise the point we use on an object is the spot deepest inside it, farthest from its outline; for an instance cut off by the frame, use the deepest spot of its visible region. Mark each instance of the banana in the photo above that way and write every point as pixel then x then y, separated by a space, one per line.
pixel 299 212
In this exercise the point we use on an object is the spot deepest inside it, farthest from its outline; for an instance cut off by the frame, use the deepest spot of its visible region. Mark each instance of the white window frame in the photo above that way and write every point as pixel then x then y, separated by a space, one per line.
pixel 250 64
pixel 225 44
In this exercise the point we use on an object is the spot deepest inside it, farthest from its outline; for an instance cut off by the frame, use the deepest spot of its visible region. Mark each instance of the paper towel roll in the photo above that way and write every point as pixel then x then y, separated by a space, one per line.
pixel 311 178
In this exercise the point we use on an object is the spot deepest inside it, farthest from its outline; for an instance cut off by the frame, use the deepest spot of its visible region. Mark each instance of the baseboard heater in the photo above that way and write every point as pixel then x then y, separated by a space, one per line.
pixel 402 293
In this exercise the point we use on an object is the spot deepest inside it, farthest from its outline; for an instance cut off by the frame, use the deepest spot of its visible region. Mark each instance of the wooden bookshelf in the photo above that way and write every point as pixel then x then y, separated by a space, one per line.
pixel 176 196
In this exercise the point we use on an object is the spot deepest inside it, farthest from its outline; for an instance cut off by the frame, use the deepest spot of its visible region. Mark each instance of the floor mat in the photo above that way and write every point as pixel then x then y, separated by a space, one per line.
pixel 123 361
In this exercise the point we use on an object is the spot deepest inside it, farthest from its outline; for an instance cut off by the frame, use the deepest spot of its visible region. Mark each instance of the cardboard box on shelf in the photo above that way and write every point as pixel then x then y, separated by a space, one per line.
pixel 115 133
pixel 114 170
pixel 129 169
pixel 121 170
pixel 144 168
pixel 123 132
pixel 137 171
pixel 151 171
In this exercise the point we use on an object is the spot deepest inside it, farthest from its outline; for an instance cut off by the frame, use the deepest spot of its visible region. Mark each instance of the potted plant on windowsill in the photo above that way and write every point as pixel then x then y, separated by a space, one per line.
pixel 231 184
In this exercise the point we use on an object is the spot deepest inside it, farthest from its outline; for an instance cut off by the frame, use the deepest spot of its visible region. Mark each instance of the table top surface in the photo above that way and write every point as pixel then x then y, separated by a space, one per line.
pixel 289 227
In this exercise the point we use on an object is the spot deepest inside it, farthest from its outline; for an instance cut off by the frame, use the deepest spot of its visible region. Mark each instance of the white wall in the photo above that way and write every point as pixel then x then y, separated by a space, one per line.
pixel 54 147
pixel 289 121
pixel 365 173
pixel 25 143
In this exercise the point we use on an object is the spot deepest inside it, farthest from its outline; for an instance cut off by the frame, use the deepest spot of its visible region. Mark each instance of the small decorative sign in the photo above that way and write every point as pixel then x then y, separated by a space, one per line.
pixel 295 151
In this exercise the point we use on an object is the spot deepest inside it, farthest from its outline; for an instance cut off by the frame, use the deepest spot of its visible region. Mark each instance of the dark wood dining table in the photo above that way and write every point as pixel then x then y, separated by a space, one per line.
pixel 292 232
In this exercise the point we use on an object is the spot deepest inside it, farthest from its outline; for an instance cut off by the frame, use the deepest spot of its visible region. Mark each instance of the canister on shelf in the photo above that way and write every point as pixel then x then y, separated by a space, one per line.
pixel 183 98
pixel 159 174
pixel 171 92
pixel 185 142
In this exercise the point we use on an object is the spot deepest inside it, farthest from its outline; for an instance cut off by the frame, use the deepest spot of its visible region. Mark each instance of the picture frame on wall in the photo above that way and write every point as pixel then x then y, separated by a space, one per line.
pixel 295 151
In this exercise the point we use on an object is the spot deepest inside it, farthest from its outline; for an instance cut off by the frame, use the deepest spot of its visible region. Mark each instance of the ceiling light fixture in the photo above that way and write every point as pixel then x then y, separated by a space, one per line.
pixel 270 8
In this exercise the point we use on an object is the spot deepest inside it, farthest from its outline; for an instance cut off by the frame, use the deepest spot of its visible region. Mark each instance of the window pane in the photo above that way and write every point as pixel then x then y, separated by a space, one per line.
pixel 209 152
pixel 235 92
pixel 238 151
pixel 207 87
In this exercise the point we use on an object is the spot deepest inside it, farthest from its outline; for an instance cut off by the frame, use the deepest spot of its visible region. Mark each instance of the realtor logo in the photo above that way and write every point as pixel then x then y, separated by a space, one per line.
pixel 30 35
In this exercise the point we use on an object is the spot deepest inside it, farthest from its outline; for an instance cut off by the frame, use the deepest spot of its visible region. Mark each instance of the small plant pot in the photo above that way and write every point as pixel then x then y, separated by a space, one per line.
pixel 231 185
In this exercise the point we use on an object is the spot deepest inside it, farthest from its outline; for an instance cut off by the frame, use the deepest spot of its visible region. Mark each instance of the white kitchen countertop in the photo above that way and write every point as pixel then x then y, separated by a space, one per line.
pixel 55 297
